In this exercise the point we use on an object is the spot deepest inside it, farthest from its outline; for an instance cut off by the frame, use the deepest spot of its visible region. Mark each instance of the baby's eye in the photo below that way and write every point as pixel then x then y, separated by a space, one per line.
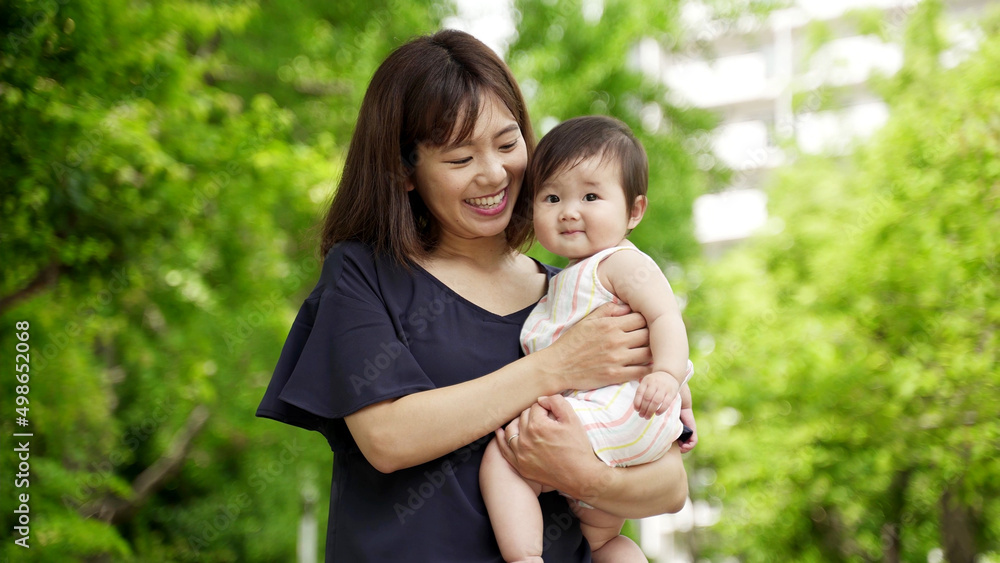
pixel 590 197
pixel 551 199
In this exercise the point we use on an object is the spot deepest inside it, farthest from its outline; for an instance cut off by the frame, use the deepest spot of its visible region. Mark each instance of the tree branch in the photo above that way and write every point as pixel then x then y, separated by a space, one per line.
pixel 959 526
pixel 115 510
pixel 46 278
pixel 834 539
pixel 892 528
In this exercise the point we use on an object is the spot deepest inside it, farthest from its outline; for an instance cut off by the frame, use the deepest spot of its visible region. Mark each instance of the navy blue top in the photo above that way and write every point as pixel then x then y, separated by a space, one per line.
pixel 372 331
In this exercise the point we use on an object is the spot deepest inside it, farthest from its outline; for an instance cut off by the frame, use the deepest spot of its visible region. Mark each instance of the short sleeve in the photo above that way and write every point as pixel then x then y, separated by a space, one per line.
pixel 343 352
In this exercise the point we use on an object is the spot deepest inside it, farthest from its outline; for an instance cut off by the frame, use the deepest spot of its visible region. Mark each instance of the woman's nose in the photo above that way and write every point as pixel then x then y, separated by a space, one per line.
pixel 493 171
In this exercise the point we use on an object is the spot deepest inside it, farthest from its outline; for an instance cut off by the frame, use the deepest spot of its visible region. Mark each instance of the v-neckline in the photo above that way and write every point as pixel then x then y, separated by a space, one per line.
pixel 508 317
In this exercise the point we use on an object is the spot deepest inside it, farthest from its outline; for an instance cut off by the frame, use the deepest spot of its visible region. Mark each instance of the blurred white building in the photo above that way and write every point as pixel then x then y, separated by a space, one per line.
pixel 800 76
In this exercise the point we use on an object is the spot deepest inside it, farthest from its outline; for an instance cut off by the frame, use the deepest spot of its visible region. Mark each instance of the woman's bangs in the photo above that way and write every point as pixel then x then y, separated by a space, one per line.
pixel 450 110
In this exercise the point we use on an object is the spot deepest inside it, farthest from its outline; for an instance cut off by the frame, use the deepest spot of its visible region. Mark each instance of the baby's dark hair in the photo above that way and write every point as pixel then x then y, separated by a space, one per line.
pixel 577 139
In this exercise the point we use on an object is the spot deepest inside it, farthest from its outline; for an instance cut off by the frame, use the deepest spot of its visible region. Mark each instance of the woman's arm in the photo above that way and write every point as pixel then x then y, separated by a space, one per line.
pixel 551 448
pixel 609 346
pixel 640 491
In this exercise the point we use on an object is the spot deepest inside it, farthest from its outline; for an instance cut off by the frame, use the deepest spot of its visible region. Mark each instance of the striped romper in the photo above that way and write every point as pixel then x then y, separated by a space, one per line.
pixel 620 436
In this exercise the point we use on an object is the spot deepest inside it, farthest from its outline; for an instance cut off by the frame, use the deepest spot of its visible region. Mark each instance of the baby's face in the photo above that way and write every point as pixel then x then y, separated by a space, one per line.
pixel 581 210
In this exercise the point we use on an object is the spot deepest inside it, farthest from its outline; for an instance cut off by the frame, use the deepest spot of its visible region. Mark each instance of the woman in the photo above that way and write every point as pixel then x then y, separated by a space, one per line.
pixel 406 356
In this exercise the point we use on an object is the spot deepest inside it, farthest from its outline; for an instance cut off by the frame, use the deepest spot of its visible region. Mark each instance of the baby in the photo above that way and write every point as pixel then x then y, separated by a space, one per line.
pixel 589 177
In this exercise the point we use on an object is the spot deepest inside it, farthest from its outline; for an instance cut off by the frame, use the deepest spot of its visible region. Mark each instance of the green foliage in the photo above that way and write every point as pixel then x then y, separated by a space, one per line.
pixel 817 34
pixel 157 239
pixel 848 362
pixel 573 63
pixel 164 166
pixel 316 58
pixel 733 11
pixel 869 21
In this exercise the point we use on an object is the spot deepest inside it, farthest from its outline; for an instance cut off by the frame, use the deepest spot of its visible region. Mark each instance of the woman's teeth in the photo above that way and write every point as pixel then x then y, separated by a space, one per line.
pixel 487 202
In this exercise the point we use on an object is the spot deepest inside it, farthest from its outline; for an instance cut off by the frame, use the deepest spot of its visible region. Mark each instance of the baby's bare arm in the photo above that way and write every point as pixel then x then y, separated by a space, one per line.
pixel 638 282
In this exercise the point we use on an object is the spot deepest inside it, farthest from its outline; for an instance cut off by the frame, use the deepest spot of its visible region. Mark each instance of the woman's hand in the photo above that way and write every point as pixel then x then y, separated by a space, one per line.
pixel 547 444
pixel 609 346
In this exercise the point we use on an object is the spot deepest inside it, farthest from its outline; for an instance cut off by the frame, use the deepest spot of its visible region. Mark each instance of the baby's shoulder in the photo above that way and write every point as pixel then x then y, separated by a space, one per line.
pixel 625 268
pixel 623 257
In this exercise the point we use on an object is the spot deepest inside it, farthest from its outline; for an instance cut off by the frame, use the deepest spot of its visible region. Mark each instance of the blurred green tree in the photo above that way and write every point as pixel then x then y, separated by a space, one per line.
pixel 164 166
pixel 577 60
pixel 849 361
pixel 159 190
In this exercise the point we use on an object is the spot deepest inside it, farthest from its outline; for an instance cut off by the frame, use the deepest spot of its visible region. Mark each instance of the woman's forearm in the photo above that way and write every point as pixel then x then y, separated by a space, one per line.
pixel 638 491
pixel 404 432
pixel 417 428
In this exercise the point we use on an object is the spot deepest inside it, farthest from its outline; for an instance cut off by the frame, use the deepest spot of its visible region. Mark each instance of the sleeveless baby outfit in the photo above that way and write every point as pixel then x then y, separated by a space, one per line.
pixel 619 436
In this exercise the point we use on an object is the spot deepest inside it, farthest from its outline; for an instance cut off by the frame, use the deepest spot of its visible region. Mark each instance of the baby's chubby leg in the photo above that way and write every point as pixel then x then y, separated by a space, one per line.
pixel 512 502
pixel 603 532
pixel 620 549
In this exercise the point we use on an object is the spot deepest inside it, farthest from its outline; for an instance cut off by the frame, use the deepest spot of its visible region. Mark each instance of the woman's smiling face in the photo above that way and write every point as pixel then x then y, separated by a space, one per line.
pixel 470 187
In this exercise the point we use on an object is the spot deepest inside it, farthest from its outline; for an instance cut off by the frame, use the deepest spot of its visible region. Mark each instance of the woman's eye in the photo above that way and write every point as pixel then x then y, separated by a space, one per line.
pixel 461 160
pixel 551 199
pixel 590 197
pixel 509 146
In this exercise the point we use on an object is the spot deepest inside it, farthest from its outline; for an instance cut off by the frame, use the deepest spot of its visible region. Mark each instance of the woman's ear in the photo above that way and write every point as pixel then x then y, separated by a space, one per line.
pixel 638 210
pixel 410 168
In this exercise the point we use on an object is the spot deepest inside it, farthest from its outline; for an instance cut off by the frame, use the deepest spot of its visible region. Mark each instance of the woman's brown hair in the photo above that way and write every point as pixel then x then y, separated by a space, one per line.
pixel 419 94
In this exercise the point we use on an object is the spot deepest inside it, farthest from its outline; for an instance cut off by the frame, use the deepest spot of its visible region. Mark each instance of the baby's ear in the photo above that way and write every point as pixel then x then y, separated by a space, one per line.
pixel 638 210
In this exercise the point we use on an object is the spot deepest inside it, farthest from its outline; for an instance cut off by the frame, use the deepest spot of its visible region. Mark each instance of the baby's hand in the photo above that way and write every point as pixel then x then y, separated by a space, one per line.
pixel 655 393
pixel 687 417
